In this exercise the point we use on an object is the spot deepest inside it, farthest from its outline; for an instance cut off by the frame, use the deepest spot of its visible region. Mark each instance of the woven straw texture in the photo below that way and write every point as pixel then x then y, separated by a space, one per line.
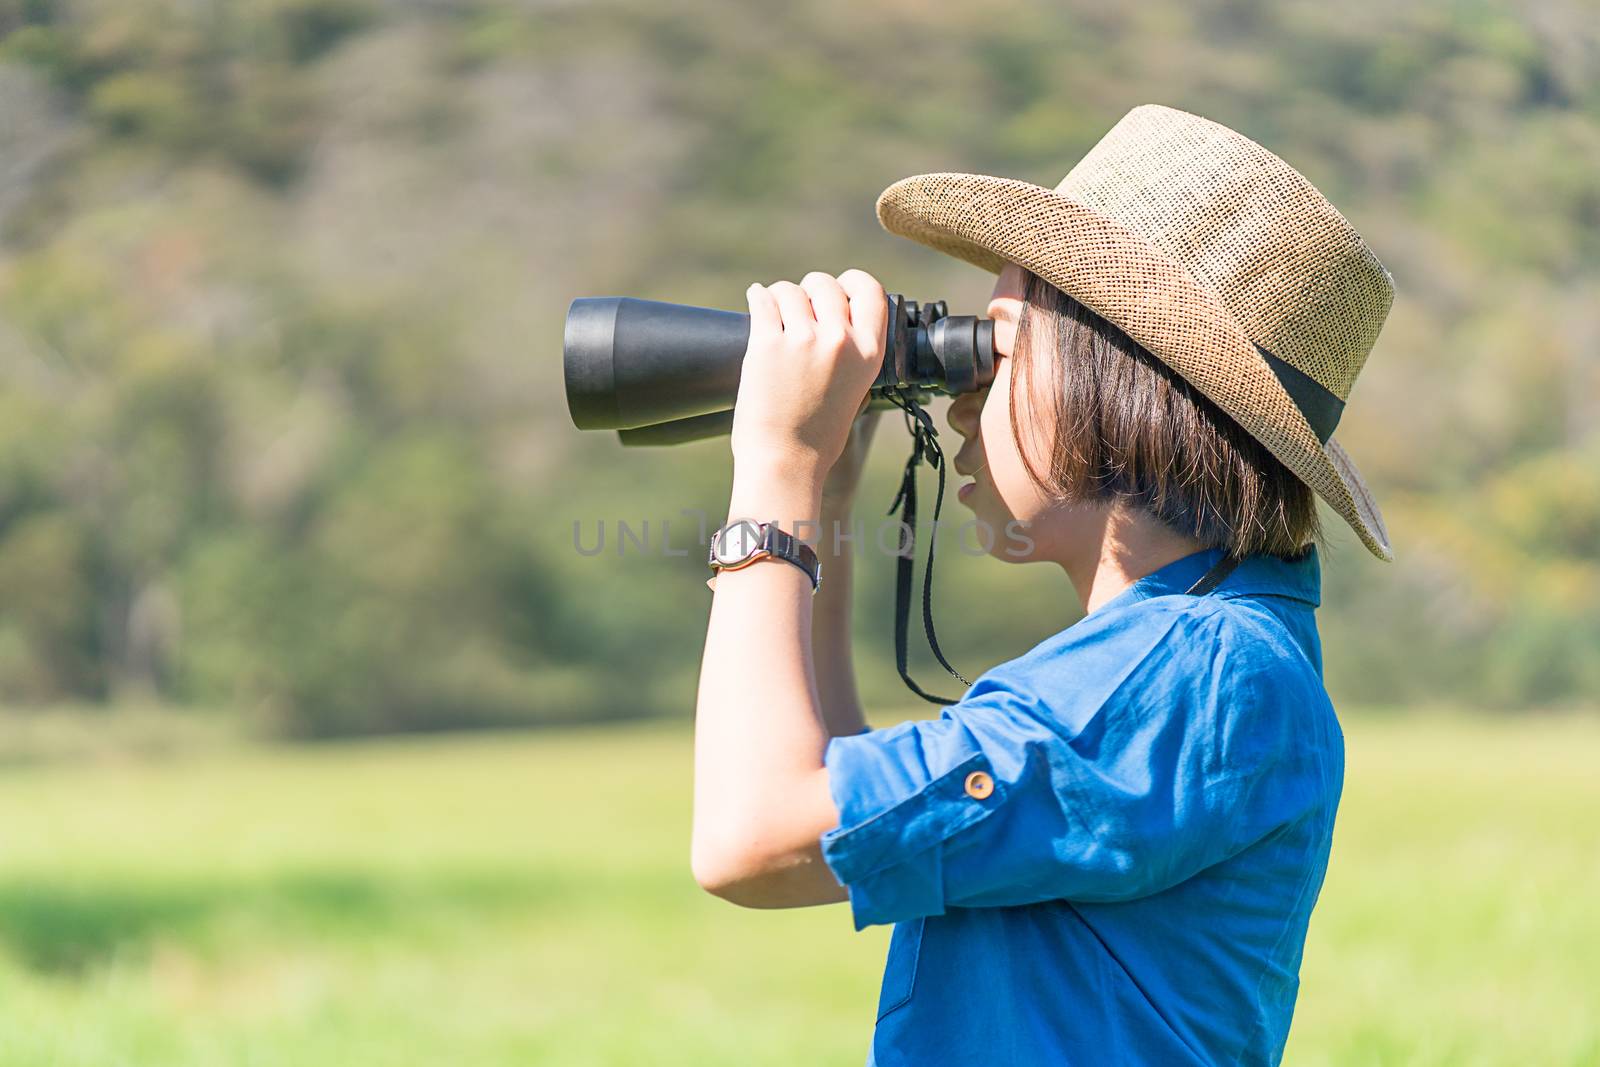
pixel 1199 244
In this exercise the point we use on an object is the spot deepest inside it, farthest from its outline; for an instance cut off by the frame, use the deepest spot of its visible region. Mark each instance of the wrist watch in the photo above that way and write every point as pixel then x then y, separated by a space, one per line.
pixel 738 544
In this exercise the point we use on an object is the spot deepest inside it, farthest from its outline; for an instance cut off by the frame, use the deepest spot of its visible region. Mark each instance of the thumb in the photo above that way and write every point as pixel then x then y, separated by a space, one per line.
pixel 866 423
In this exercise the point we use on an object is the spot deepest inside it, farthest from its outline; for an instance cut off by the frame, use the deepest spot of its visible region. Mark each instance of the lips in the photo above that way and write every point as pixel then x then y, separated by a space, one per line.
pixel 970 466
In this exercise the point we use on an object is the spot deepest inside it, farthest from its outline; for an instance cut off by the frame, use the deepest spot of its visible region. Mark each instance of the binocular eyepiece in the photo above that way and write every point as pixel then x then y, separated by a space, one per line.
pixel 662 374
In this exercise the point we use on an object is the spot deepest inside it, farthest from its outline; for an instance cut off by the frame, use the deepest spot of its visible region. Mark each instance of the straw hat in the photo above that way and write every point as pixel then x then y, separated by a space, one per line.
pixel 1211 252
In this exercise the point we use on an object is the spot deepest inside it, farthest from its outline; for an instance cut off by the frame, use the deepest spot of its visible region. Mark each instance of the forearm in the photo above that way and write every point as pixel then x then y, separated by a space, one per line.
pixel 759 733
pixel 761 796
pixel 831 628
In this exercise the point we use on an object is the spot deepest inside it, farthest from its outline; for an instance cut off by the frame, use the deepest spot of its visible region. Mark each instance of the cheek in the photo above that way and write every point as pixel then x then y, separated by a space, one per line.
pixel 1017 493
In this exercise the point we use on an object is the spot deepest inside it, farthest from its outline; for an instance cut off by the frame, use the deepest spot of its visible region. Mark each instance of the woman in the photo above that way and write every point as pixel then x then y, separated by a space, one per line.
pixel 1108 850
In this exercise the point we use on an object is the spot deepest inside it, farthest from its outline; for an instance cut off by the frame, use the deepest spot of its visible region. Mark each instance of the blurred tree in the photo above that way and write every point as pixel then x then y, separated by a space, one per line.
pixel 281 284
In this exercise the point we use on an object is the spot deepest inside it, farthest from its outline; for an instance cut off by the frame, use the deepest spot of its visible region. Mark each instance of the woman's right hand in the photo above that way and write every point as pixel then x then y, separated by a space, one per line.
pixel 839 488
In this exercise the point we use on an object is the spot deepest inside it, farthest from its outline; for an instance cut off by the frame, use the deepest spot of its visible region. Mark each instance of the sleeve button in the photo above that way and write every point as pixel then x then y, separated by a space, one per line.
pixel 979 785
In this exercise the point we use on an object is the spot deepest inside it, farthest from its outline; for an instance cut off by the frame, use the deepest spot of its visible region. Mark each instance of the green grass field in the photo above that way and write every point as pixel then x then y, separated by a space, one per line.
pixel 526 899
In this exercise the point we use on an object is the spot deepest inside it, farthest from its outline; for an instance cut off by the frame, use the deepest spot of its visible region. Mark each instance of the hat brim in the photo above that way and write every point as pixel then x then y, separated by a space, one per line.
pixel 989 222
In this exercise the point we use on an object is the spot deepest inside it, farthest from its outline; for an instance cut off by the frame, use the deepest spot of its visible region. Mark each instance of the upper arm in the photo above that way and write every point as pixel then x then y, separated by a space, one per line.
pixel 1113 794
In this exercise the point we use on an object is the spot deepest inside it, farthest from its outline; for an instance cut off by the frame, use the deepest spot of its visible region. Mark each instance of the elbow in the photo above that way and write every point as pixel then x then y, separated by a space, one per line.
pixel 718 869
pixel 717 877
pixel 730 868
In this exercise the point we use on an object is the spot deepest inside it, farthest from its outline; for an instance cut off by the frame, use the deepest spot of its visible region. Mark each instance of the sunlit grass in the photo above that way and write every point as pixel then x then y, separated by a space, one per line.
pixel 526 899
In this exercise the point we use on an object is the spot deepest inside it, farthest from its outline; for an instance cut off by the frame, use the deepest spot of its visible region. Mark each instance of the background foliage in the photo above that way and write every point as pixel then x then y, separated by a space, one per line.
pixel 282 282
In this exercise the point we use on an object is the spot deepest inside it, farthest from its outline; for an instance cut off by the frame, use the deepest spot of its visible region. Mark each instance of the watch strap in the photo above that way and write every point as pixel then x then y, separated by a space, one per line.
pixel 775 543
pixel 788 547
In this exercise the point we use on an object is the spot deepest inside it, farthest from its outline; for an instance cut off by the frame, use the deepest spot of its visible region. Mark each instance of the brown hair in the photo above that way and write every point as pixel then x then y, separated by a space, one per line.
pixel 1129 428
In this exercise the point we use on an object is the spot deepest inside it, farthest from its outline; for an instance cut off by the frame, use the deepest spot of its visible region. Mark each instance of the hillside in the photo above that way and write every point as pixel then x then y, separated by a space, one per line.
pixel 282 285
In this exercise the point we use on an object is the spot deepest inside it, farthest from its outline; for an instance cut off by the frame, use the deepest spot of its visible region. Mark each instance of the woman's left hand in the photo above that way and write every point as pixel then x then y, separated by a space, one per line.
pixel 815 350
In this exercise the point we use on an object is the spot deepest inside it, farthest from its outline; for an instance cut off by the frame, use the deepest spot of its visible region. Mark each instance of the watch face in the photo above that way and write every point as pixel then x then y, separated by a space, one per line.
pixel 736 542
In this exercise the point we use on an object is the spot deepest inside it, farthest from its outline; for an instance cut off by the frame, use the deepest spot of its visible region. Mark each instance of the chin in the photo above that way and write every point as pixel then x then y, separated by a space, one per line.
pixel 993 531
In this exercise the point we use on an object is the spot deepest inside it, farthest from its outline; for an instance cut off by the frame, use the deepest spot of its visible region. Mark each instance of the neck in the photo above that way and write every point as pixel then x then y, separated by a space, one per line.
pixel 1123 545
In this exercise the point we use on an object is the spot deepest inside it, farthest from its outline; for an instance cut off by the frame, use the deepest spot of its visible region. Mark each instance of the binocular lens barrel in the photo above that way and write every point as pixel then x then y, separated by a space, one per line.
pixel 667 373
pixel 639 362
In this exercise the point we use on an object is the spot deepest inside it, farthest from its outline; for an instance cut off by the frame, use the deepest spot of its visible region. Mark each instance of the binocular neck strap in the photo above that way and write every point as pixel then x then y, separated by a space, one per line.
pixel 1214 577
pixel 924 445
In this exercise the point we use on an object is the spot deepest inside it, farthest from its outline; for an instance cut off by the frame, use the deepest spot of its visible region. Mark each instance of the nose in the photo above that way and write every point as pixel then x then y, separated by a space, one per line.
pixel 964 412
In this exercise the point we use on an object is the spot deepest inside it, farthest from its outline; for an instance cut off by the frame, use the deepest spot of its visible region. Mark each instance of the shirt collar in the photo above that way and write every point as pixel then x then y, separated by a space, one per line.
pixel 1298 579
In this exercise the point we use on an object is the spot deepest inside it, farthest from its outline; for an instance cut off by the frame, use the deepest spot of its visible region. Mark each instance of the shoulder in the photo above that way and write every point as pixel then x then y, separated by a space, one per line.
pixel 1224 674
pixel 1251 695
pixel 1214 638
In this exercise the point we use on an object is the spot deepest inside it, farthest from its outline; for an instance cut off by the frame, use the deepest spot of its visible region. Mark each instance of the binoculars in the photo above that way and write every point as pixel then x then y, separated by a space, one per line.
pixel 663 374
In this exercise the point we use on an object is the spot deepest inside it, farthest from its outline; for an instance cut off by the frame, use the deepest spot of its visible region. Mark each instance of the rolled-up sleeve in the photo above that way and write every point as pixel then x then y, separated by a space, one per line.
pixel 902 793
pixel 1117 792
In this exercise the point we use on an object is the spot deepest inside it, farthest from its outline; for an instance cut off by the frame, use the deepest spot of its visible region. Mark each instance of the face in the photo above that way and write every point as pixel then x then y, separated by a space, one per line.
pixel 1018 522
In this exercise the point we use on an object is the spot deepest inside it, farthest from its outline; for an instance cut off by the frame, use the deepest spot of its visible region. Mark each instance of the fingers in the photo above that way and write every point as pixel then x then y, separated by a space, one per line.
pixel 799 322
pixel 823 307
pixel 869 311
pixel 765 317
pixel 831 304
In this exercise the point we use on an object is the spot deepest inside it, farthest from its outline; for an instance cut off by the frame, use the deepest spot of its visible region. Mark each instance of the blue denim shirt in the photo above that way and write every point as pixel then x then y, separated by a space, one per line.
pixel 1108 851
